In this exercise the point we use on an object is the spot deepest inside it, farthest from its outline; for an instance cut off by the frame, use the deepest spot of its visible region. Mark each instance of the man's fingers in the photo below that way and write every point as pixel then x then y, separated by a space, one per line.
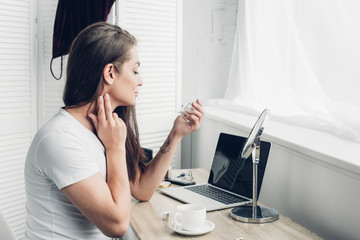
pixel 115 117
pixel 198 106
pixel 197 114
pixel 197 110
pixel 108 110
pixel 101 111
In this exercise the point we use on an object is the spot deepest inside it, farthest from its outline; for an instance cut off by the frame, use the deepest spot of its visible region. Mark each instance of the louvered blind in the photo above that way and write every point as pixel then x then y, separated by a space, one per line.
pixel 156 25
pixel 49 89
pixel 12 188
pixel 14 57
pixel 17 106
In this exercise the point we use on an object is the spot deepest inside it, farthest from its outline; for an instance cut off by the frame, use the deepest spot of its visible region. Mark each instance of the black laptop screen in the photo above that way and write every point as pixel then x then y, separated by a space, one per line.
pixel 231 172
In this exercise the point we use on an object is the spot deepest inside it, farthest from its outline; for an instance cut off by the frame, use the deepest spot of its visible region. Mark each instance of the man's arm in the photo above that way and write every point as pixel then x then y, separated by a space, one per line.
pixel 148 181
pixel 106 203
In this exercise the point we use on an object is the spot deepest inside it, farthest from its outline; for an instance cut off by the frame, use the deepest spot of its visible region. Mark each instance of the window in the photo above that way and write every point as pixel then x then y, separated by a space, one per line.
pixel 300 59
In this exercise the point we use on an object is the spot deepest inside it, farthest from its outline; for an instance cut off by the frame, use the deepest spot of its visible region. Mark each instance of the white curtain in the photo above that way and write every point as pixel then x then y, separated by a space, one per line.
pixel 300 59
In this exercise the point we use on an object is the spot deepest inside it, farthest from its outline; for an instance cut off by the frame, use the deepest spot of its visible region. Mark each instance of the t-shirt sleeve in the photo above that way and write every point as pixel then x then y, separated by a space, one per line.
pixel 65 159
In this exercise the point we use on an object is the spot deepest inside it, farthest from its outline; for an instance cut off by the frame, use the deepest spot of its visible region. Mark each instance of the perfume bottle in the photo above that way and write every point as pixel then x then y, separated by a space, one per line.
pixel 184 111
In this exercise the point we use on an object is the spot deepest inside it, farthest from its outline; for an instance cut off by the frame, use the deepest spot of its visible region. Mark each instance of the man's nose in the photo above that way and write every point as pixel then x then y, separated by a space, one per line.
pixel 140 82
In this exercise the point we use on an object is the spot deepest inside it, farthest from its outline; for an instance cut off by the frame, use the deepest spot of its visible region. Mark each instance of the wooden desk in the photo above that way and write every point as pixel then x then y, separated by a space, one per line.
pixel 147 223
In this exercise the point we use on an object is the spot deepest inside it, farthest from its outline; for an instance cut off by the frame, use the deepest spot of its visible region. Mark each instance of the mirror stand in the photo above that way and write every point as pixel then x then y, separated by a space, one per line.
pixel 255 213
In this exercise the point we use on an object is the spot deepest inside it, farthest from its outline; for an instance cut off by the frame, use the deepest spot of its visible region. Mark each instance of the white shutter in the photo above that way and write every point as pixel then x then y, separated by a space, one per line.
pixel 17 105
pixel 157 26
pixel 50 90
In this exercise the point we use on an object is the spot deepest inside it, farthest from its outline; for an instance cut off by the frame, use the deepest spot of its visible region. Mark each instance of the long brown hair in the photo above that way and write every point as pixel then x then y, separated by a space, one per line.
pixel 96 46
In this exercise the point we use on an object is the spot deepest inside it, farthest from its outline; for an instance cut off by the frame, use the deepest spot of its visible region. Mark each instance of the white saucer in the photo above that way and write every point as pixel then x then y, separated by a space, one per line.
pixel 208 226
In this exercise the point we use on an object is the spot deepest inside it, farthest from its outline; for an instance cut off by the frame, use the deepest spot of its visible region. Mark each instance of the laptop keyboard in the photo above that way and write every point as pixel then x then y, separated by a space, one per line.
pixel 216 194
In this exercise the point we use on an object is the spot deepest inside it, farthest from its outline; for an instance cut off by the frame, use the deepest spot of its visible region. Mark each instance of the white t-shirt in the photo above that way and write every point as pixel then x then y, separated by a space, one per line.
pixel 62 152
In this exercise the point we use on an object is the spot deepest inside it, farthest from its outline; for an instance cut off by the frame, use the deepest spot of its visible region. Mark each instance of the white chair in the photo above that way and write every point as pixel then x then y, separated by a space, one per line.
pixel 5 230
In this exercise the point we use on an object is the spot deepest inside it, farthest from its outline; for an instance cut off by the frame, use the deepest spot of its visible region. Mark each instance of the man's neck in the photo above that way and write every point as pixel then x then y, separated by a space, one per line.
pixel 81 114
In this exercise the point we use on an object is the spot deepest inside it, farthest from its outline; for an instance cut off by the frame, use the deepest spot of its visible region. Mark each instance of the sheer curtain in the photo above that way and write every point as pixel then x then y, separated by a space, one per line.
pixel 300 59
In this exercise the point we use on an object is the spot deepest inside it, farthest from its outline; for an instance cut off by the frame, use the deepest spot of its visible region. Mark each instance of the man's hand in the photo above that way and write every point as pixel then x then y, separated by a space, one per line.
pixel 109 127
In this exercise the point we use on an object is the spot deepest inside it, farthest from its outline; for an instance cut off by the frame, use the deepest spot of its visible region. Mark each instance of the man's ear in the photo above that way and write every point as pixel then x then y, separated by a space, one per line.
pixel 108 73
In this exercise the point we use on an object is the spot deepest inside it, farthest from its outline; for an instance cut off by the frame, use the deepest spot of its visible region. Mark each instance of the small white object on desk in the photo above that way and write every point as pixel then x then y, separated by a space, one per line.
pixel 164 184
pixel 208 226
pixel 190 219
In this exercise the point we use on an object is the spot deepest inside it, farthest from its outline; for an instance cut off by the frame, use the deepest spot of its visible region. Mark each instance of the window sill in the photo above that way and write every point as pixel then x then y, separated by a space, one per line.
pixel 320 147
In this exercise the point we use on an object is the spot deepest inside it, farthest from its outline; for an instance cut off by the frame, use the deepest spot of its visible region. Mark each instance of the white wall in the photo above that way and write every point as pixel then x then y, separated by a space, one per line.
pixel 311 191
pixel 208 37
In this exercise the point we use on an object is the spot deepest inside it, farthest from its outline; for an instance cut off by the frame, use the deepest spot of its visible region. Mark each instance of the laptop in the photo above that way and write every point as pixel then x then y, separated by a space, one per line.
pixel 230 180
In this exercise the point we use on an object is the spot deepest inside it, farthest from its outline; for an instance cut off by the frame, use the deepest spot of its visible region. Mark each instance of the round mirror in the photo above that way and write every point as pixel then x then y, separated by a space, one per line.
pixel 256 132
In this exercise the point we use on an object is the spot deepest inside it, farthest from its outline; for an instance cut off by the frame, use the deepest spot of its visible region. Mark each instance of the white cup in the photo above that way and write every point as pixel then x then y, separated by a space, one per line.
pixel 190 217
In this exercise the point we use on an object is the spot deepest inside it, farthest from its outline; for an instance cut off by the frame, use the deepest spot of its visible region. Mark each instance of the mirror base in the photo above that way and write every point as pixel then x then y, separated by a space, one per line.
pixel 263 214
